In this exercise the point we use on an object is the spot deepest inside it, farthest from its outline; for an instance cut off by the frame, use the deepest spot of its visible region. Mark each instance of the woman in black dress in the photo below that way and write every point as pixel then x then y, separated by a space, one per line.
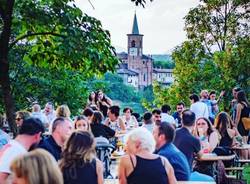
pixel 243 110
pixel 79 163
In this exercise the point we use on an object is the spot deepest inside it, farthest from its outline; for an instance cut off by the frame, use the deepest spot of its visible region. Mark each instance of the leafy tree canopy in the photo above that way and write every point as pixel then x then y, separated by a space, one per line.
pixel 216 54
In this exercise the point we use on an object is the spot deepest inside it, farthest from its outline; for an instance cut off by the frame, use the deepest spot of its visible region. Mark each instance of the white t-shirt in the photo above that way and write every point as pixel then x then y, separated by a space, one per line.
pixel 167 118
pixel 200 109
pixel 8 153
pixel 40 116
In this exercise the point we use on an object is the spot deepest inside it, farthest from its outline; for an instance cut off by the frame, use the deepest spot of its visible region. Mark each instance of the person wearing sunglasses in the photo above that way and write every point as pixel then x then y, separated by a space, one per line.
pixel 21 116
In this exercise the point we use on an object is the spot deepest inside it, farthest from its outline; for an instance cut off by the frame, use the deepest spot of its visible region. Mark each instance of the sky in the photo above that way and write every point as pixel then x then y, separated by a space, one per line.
pixel 161 21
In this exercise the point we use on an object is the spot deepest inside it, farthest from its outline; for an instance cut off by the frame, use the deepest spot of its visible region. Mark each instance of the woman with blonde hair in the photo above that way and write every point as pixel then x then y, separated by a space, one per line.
pixel 36 167
pixel 63 111
pixel 79 163
pixel 140 165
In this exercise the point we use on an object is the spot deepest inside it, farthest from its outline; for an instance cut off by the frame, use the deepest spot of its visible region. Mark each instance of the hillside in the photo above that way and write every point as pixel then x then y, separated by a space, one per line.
pixel 161 57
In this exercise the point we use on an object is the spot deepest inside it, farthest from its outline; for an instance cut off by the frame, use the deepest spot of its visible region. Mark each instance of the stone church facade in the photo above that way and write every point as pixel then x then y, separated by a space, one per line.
pixel 136 69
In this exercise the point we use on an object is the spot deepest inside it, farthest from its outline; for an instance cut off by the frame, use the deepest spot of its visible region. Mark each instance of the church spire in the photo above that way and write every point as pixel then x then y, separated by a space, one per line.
pixel 135 29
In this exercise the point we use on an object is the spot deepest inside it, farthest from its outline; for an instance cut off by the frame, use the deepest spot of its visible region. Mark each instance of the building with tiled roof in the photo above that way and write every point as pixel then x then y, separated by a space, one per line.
pixel 136 69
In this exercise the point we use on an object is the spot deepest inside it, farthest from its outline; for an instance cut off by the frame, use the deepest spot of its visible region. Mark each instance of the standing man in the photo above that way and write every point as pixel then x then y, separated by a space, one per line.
pixel 49 112
pixel 164 134
pixel 180 107
pixel 28 137
pixel 61 130
pixel 233 104
pixel 156 116
pixel 199 108
pixel 165 115
pixel 205 99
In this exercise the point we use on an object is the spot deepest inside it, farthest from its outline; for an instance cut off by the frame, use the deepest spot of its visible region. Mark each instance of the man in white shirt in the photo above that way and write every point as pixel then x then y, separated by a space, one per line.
pixel 49 112
pixel 28 137
pixel 165 117
pixel 199 108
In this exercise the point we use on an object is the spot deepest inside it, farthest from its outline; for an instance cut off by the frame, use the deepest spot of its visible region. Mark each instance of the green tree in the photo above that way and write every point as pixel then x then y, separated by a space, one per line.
pixel 217 23
pixel 58 36
pixel 216 55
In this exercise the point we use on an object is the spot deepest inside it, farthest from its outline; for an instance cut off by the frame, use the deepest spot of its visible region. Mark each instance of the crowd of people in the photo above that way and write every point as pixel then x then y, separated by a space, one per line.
pixel 161 148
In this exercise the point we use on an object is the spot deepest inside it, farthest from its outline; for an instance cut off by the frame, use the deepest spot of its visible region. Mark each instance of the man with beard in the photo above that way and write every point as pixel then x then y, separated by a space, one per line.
pixel 61 130
pixel 28 137
pixel 156 116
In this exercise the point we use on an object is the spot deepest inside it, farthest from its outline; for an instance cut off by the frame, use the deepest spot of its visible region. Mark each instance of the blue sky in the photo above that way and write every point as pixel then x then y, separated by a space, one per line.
pixel 161 21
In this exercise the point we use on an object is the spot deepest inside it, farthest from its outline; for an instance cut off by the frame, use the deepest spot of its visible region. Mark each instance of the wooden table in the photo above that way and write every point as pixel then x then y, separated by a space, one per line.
pixel 243 147
pixel 210 157
pixel 195 182
pixel 116 181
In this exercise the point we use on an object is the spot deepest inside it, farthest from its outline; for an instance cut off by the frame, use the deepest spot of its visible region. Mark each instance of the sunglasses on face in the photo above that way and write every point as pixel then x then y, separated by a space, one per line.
pixel 18 119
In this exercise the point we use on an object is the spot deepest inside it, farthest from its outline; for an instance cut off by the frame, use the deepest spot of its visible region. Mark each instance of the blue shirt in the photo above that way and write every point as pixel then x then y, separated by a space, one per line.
pixel 177 159
pixel 187 144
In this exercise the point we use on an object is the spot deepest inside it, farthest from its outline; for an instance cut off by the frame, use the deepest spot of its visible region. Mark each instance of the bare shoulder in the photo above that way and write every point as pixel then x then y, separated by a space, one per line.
pixel 214 134
pixel 98 162
pixel 239 106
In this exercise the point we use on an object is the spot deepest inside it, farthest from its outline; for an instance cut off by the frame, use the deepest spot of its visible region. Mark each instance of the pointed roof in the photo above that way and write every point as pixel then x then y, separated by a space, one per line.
pixel 135 29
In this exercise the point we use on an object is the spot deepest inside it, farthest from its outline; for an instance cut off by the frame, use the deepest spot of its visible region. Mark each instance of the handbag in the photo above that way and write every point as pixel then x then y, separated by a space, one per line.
pixel 246 122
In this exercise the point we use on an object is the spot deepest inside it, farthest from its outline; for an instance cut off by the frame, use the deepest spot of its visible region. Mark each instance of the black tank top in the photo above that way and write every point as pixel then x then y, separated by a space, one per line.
pixel 226 141
pixel 81 173
pixel 148 171
pixel 245 111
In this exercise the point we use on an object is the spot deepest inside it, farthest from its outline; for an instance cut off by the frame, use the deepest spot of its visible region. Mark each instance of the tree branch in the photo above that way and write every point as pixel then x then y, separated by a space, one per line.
pixel 35 34
pixel 91 4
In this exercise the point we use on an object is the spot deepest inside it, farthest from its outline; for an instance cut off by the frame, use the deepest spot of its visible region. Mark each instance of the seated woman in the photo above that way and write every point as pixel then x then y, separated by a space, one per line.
pixel 79 163
pixel 140 165
pixel 206 134
pixel 98 129
pixel 36 167
pixel 226 129
pixel 128 118
pixel 209 139
pixel 81 123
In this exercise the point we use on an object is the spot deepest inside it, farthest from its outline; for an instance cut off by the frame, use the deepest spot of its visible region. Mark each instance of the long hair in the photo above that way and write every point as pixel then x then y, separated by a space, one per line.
pixel 63 111
pixel 79 149
pixel 241 97
pixel 209 124
pixel 37 167
pixel 97 117
pixel 222 122
pixel 90 98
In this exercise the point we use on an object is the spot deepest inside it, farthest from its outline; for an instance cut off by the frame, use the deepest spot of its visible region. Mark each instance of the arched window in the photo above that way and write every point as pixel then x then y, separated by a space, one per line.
pixel 133 43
